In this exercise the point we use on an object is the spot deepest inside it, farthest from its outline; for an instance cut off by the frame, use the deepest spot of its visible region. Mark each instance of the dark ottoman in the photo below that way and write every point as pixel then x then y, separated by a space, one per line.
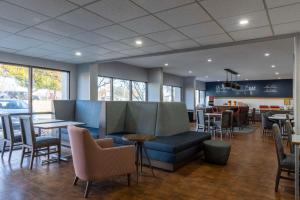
pixel 216 151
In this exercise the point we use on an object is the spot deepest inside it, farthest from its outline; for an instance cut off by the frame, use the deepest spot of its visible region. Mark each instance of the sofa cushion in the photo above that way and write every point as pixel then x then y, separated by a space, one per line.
pixel 88 112
pixel 177 143
pixel 172 118
pixel 115 116
pixel 141 118
pixel 64 109
pixel 117 138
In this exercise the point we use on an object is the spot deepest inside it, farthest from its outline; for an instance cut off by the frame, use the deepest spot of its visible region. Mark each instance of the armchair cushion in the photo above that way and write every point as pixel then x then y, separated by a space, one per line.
pixel 105 143
pixel 43 141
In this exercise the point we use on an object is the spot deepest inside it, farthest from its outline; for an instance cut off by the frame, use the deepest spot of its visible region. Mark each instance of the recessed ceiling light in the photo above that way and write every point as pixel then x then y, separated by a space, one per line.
pixel 78 53
pixel 277 73
pixel 190 71
pixel 238 75
pixel 166 64
pixel 218 80
pixel 209 60
pixel 139 42
pixel 267 54
pixel 244 22
pixel 273 66
pixel 246 79
pixel 279 78
pixel 206 76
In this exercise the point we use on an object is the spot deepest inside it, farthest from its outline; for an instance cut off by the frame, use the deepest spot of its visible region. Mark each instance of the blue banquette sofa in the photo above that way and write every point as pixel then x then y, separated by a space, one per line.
pixel 174 145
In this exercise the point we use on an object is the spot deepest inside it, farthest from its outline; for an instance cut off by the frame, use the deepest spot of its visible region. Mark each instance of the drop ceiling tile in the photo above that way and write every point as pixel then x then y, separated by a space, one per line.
pixel 116 46
pixel 182 44
pixel 51 8
pixel 8 50
pixel 116 32
pixel 285 14
pixel 20 15
pixel 59 27
pixel 251 33
pixel 4 34
pixel 167 36
pixel 55 47
pixel 185 15
pixel 148 24
pixel 158 5
pixel 155 49
pixel 10 26
pixel 82 2
pixel 91 38
pixel 111 56
pixel 117 10
pixel 35 52
pixel 146 42
pixel 18 42
pixel 220 9
pixel 278 3
pixel 40 34
pixel 70 43
pixel 94 50
pixel 292 27
pixel 203 29
pixel 256 19
pixel 132 52
pixel 214 39
pixel 84 19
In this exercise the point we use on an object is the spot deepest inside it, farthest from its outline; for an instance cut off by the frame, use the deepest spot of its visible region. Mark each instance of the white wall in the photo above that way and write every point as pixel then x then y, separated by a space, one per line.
pixel 200 85
pixel 31 61
pixel 155 84
pixel 252 102
pixel 189 92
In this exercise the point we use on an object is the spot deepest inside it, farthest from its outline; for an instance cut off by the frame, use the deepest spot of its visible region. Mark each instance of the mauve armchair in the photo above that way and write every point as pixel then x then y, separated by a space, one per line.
pixel 97 159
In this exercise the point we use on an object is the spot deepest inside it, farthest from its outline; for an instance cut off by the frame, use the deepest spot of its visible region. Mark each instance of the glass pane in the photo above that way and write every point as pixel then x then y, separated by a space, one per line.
pixel 167 93
pixel 121 90
pixel 177 94
pixel 48 85
pixel 138 91
pixel 197 100
pixel 104 87
pixel 14 91
pixel 202 98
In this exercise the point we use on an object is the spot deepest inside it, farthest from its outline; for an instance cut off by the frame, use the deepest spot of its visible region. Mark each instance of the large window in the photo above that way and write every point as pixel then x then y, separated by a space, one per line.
pixel 138 91
pixel 167 93
pixel 171 93
pixel 121 90
pixel 48 85
pixel 177 94
pixel 104 89
pixel 200 98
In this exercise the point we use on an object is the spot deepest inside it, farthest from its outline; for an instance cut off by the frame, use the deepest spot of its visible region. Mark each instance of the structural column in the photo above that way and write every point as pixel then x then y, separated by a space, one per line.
pixel 296 83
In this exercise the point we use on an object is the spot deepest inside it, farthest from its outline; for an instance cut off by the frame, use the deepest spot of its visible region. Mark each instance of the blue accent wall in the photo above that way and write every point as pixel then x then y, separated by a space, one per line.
pixel 258 88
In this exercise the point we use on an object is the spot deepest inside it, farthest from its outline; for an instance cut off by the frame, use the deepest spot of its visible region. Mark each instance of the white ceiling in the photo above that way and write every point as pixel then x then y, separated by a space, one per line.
pixel 247 59
pixel 107 29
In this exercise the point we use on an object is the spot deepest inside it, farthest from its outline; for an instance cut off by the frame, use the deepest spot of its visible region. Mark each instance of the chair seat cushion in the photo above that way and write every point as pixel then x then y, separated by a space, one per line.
pixel 288 162
pixel 177 143
pixel 117 138
pixel 43 141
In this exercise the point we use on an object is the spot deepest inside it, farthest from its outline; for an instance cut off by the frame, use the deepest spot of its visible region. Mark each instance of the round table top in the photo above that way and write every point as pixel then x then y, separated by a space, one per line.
pixel 138 137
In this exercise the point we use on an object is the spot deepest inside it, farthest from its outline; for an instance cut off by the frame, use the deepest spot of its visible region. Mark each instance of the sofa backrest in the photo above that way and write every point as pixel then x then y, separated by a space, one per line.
pixel 64 109
pixel 172 118
pixel 141 117
pixel 115 114
pixel 88 112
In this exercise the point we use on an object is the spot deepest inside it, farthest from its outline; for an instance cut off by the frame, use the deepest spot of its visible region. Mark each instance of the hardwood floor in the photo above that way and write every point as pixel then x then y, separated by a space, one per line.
pixel 249 175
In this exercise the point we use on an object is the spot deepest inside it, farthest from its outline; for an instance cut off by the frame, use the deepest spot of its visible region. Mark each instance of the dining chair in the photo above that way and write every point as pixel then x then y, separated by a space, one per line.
pixel 10 137
pixel 251 117
pixel 289 130
pixel 97 159
pixel 37 146
pixel 201 120
pixel 225 124
pixel 286 162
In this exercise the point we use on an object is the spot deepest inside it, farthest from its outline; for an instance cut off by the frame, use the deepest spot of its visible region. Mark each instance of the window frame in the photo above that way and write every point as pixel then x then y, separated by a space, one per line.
pixel 30 86
pixel 172 93
pixel 130 87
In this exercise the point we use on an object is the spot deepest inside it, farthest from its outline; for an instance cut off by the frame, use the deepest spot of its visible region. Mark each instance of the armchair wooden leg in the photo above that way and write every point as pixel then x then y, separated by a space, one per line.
pixel 31 159
pixel 87 188
pixel 3 149
pixel 75 180
pixel 128 179
pixel 10 150
pixel 22 156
